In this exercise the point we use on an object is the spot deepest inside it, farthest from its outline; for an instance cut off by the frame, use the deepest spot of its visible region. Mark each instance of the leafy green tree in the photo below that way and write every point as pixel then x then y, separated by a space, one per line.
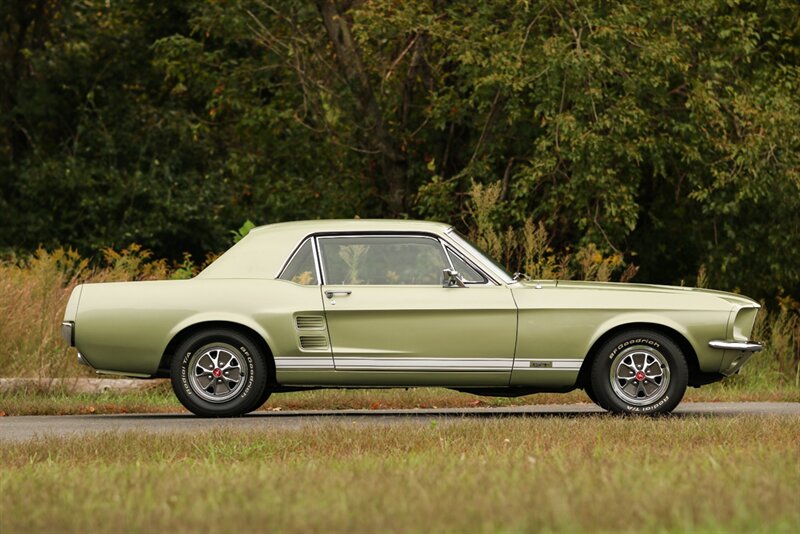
pixel 665 131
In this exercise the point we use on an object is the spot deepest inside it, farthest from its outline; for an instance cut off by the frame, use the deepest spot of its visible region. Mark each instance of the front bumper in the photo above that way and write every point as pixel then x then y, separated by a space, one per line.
pixel 745 346
pixel 736 354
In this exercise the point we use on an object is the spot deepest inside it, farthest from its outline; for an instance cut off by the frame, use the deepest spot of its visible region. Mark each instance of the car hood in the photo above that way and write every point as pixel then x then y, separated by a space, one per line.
pixel 732 298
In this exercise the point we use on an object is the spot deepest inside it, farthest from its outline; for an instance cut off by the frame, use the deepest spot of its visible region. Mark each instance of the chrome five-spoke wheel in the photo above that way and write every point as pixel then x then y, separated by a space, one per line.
pixel 220 372
pixel 639 371
pixel 639 376
pixel 217 373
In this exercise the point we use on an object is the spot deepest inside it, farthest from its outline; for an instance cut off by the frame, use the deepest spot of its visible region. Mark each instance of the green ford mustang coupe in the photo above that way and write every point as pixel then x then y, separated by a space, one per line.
pixel 381 303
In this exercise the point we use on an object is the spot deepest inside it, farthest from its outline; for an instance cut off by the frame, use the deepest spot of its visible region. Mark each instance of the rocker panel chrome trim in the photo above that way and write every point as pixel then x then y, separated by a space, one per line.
pixel 423 364
pixel 291 362
pixel 386 363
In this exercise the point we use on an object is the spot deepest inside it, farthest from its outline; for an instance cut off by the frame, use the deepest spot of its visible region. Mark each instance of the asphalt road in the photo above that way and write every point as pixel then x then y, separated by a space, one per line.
pixel 29 427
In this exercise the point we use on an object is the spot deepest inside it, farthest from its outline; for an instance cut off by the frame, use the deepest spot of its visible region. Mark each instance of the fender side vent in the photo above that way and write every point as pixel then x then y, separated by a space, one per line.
pixel 313 342
pixel 310 322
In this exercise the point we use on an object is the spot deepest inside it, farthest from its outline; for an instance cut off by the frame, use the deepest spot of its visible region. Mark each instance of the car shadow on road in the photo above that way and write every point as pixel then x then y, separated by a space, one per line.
pixel 416 415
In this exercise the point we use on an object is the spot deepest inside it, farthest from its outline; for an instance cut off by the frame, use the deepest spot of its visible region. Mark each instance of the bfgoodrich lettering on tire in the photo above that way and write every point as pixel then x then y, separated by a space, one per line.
pixel 639 372
pixel 219 373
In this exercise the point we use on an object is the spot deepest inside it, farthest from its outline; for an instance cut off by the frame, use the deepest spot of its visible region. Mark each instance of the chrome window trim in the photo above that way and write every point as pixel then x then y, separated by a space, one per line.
pixel 495 276
pixel 446 255
pixel 346 235
pixel 470 263
pixel 288 260
pixel 317 261
pixel 294 253
pixel 445 245
pixel 477 263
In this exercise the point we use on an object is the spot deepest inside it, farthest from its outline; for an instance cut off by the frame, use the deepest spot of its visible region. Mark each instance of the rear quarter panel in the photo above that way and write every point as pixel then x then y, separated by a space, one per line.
pixel 125 327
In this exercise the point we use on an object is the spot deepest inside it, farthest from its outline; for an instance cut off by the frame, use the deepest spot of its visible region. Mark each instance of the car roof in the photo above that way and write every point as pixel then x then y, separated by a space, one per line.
pixel 354 225
pixel 265 249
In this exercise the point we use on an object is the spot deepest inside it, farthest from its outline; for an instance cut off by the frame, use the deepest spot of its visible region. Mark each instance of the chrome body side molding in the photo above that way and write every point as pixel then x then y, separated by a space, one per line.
pixel 384 363
pixel 544 364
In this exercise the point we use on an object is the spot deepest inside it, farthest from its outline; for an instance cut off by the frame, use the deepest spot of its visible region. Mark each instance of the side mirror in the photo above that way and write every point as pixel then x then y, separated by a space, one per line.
pixel 451 278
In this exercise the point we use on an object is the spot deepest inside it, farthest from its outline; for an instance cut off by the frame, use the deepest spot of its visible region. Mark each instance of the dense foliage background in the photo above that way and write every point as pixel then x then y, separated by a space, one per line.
pixel 666 133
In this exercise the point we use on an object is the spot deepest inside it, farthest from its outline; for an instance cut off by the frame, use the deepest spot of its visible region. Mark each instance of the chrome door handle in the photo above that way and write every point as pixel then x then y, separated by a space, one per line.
pixel 331 294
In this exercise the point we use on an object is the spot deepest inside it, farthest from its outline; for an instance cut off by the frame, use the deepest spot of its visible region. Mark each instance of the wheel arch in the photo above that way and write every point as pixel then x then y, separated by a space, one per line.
pixel 181 335
pixel 695 374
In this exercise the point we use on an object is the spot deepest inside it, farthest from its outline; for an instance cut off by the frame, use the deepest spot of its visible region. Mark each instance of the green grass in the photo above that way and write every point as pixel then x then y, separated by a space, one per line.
pixel 161 399
pixel 561 474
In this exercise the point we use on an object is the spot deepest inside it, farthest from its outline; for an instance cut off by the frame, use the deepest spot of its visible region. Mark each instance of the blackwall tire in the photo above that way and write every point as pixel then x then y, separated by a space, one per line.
pixel 639 372
pixel 263 398
pixel 219 373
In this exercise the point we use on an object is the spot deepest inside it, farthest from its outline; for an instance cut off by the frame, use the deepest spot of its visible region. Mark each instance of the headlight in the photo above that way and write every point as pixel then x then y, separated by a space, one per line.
pixel 743 324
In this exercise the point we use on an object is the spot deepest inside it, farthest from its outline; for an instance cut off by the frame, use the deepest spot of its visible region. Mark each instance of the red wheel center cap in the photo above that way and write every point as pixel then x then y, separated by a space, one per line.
pixel 639 376
pixel 217 372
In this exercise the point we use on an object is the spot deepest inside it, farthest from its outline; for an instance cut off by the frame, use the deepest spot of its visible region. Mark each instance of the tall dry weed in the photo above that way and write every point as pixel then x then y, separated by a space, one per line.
pixel 538 259
pixel 482 209
pixel 528 249
pixel 34 293
pixel 779 363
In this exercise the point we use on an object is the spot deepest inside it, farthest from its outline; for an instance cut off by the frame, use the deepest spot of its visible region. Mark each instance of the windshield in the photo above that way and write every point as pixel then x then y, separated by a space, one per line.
pixel 497 269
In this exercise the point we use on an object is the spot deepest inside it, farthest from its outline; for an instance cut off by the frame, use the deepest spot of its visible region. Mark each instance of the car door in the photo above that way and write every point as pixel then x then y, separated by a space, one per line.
pixel 389 314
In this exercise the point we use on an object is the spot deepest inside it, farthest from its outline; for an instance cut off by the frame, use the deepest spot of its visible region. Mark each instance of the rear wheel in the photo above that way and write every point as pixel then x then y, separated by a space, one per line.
pixel 639 371
pixel 219 373
pixel 263 398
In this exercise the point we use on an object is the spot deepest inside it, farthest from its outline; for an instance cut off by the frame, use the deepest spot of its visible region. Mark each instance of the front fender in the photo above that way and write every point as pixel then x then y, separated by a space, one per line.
pixel 696 331
pixel 565 323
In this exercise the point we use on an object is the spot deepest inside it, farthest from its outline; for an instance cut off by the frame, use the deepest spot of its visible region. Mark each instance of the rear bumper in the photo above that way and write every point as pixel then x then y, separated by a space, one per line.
pixel 68 332
pixel 735 355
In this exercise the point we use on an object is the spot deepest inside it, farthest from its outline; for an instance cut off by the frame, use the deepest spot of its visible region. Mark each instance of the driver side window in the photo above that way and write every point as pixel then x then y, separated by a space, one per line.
pixel 382 260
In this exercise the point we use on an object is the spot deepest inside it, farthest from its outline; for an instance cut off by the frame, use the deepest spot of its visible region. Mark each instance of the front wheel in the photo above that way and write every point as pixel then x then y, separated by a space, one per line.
pixel 639 371
pixel 219 373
